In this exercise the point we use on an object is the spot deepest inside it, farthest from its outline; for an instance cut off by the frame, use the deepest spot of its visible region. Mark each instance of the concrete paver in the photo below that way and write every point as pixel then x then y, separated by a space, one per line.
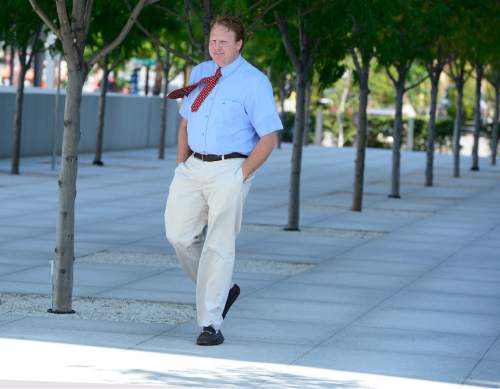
pixel 405 294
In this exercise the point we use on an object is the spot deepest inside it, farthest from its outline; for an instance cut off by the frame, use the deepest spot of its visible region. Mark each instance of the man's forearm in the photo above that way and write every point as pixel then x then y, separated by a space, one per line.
pixel 183 150
pixel 260 153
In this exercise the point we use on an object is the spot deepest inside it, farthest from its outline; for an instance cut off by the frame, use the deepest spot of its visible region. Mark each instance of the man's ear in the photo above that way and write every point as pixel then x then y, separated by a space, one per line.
pixel 239 44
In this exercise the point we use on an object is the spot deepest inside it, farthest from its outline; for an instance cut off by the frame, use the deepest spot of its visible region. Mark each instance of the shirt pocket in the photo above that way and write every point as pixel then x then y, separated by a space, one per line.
pixel 233 115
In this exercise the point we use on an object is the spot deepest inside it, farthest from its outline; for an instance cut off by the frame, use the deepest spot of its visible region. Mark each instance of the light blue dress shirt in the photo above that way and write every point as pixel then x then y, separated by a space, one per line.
pixel 236 113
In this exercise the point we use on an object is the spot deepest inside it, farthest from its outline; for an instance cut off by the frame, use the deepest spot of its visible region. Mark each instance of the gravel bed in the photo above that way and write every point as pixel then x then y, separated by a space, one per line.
pixel 130 258
pixel 325 231
pixel 108 309
pixel 170 261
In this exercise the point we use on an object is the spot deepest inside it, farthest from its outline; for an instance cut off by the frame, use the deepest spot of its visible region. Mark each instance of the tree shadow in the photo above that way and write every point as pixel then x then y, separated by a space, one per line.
pixel 241 377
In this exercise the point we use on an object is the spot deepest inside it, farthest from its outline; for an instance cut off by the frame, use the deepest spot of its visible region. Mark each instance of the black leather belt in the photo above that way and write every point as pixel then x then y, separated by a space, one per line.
pixel 215 157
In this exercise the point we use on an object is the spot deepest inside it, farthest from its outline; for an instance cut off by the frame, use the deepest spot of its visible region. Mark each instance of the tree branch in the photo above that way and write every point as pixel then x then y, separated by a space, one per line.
pixel 78 10
pixel 414 85
pixel 390 75
pixel 493 78
pixel 434 69
pixel 123 33
pixel 185 57
pixel 167 10
pixel 157 42
pixel 187 20
pixel 35 39
pixel 87 14
pixel 312 53
pixel 62 13
pixel 159 57
pixel 251 8
pixel 285 35
pixel 45 18
pixel 355 59
pixel 259 16
pixel 271 24
pixel 302 36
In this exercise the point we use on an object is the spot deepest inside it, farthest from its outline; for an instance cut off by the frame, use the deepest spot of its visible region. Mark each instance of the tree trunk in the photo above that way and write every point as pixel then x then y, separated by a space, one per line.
pixel 146 86
pixel 298 137
pixel 359 170
pixel 101 113
pixel 457 128
pixel 12 63
pixel 72 34
pixel 397 135
pixel 341 109
pixel 307 112
pixel 494 143
pixel 62 272
pixel 431 130
pixel 38 69
pixel 207 18
pixel 477 118
pixel 55 129
pixel 18 115
pixel 282 112
pixel 163 108
pixel 158 79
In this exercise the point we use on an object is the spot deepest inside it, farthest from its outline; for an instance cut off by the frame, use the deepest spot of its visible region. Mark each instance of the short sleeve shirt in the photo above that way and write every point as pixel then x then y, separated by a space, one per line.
pixel 237 112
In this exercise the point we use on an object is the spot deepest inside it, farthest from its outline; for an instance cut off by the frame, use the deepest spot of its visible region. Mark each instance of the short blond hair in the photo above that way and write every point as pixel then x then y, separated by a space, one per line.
pixel 232 23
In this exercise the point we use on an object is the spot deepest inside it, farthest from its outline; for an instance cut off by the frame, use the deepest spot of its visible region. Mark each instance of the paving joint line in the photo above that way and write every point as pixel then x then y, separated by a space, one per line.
pixel 394 294
pixel 480 359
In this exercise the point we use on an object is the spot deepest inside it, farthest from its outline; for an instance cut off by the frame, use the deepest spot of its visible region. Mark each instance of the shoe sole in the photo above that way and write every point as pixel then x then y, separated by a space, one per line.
pixel 218 341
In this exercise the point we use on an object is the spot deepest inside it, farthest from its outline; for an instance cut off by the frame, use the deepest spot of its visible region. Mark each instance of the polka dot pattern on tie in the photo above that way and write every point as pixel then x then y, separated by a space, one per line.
pixel 210 83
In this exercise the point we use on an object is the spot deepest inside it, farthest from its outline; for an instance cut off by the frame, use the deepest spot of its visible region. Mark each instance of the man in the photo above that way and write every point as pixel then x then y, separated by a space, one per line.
pixel 227 131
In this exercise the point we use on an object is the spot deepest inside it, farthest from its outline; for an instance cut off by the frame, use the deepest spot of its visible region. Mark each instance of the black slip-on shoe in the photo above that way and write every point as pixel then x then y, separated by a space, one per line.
pixel 210 337
pixel 233 294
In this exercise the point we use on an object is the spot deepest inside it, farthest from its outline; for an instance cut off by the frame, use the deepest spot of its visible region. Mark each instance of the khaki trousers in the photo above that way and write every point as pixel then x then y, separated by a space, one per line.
pixel 202 220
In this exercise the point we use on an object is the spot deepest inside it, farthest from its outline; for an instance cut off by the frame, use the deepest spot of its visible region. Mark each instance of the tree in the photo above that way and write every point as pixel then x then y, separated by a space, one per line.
pixel 72 30
pixel 20 26
pixel 458 71
pixel 399 48
pixel 481 21
pixel 341 106
pixel 108 29
pixel 101 111
pixel 303 31
pixel 493 77
pixel 434 56
pixel 365 18
pixel 165 32
pixel 492 71
pixel 268 53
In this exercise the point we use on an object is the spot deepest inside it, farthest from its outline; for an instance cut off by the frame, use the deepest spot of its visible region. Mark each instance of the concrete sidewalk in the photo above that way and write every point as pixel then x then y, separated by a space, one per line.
pixel 405 294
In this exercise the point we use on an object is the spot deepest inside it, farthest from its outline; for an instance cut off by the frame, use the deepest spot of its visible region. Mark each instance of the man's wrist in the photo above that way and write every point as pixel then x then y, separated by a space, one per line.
pixel 245 171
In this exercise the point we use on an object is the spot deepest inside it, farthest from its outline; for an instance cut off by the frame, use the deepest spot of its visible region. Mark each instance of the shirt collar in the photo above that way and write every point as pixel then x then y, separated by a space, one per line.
pixel 228 69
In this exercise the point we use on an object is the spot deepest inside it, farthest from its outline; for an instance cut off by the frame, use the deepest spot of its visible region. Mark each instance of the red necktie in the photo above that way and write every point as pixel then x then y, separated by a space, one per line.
pixel 209 82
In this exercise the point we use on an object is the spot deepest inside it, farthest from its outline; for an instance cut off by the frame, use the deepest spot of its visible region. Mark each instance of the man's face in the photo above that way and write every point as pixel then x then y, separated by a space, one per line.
pixel 223 46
